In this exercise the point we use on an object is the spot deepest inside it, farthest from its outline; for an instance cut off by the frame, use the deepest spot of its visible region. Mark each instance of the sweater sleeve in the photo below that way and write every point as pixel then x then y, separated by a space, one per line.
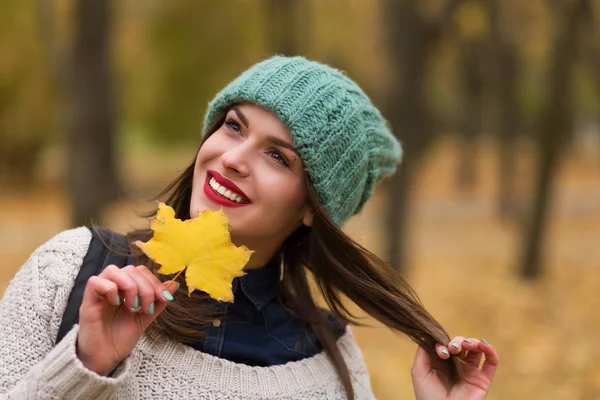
pixel 31 366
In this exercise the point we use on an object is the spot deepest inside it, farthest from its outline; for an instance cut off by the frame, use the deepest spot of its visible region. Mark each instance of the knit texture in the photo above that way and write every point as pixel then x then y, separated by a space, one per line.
pixel 32 368
pixel 341 136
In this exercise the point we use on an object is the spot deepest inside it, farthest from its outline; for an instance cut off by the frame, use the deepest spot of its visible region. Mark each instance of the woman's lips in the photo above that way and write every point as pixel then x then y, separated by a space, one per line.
pixel 221 180
pixel 217 198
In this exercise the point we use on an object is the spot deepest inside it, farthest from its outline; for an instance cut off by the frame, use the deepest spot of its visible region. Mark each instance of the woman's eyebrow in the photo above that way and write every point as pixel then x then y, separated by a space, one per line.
pixel 280 142
pixel 242 117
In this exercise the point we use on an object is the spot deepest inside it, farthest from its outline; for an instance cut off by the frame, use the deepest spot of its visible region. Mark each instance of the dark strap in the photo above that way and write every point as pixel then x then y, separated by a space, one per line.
pixel 96 259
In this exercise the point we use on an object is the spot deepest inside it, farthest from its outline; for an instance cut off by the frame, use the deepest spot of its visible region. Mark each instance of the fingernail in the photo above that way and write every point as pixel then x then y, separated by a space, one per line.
pixel 118 301
pixel 468 341
pixel 167 295
pixel 484 341
pixel 445 351
pixel 151 308
pixel 136 301
pixel 455 345
pixel 176 284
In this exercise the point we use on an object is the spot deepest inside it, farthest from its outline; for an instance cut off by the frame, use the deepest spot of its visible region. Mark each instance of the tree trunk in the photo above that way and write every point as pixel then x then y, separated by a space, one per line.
pixel 405 104
pixel 592 61
pixel 410 40
pixel 508 125
pixel 554 127
pixel 502 74
pixel 472 115
pixel 399 218
pixel 91 118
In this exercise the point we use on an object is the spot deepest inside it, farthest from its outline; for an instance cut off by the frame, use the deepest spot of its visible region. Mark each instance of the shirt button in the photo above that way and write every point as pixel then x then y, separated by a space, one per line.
pixel 216 323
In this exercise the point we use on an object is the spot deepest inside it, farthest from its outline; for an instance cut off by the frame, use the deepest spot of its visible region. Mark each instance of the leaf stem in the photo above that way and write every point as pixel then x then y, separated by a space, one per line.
pixel 175 278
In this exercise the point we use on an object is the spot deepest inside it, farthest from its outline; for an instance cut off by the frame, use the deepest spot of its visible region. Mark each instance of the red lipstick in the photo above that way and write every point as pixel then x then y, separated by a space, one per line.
pixel 217 198
pixel 227 183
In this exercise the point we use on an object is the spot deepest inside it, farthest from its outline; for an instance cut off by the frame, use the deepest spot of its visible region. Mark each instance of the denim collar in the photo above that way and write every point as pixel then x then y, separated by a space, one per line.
pixel 259 285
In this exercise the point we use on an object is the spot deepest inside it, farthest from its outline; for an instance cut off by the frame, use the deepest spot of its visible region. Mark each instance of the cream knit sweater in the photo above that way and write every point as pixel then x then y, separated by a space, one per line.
pixel 31 367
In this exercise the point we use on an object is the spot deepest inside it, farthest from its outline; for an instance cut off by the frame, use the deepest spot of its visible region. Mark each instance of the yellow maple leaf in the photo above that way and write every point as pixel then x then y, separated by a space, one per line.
pixel 202 246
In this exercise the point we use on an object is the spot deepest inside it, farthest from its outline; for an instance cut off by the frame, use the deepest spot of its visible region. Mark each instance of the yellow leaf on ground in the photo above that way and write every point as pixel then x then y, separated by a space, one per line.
pixel 202 245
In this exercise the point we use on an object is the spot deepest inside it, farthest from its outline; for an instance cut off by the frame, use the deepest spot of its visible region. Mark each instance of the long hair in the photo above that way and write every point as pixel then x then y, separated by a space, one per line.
pixel 339 266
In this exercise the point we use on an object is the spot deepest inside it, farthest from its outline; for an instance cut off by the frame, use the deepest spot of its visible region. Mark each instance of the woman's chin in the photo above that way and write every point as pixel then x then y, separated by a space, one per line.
pixel 195 209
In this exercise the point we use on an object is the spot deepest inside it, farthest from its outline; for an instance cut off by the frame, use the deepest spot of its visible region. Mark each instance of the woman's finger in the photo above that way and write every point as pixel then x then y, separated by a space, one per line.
pixel 473 354
pixel 491 359
pixel 442 351
pixel 99 289
pixel 144 288
pixel 160 292
pixel 128 288
pixel 455 346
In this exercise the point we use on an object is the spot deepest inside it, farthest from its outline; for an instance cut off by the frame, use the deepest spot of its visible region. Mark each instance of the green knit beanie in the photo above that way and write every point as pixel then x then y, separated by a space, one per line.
pixel 342 138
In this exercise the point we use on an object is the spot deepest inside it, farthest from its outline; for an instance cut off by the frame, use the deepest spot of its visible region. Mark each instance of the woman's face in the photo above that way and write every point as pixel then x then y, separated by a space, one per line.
pixel 250 168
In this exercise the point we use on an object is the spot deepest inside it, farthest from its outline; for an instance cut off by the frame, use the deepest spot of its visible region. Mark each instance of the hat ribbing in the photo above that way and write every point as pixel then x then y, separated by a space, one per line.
pixel 342 138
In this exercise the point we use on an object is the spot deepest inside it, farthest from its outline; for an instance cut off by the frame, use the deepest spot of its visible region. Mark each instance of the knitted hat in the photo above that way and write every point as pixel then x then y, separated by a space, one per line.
pixel 342 138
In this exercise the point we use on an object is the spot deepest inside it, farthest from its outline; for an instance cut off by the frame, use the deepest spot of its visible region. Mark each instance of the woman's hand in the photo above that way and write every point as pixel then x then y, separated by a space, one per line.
pixel 428 375
pixel 118 305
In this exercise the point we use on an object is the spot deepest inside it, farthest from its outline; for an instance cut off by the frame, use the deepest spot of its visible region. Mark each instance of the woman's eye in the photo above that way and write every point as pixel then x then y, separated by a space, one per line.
pixel 277 156
pixel 232 124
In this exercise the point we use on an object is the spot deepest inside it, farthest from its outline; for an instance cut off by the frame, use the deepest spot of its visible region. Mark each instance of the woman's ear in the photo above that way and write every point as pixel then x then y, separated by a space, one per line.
pixel 307 219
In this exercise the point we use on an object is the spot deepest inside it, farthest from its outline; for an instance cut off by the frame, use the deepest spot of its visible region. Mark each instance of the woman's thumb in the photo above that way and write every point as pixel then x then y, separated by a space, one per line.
pixel 167 296
pixel 422 363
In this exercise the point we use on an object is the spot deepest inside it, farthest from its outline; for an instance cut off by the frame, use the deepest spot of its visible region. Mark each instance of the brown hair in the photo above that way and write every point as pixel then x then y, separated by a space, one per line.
pixel 339 265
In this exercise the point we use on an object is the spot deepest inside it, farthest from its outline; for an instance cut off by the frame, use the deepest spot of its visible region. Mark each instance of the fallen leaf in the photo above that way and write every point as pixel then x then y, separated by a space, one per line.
pixel 202 246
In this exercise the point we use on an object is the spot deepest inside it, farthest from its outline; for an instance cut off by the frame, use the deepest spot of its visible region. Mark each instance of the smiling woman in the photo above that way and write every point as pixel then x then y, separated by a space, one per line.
pixel 291 149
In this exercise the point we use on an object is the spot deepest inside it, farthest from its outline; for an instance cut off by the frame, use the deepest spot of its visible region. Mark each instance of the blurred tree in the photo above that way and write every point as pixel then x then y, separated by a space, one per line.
pixel 195 48
pixel 284 25
pixel 347 34
pixel 554 126
pixel 412 37
pixel 82 69
pixel 593 63
pixel 472 27
pixel 503 74
pixel 90 114
pixel 24 92
pixel 591 48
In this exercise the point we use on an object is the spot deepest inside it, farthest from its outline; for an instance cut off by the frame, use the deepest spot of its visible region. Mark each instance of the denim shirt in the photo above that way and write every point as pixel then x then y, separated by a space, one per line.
pixel 255 329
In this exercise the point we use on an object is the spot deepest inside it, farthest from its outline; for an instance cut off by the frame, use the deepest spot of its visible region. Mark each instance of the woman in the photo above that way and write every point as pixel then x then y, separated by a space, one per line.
pixel 291 149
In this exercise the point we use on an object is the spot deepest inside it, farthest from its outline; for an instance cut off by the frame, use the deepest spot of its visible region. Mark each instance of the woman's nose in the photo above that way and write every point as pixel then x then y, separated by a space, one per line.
pixel 236 160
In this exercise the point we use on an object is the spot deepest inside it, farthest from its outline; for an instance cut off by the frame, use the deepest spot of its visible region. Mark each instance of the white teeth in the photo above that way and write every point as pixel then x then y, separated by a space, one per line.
pixel 224 191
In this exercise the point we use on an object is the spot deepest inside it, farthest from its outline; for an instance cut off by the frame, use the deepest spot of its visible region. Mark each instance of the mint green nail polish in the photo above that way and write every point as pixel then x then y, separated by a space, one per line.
pixel 118 301
pixel 151 308
pixel 167 295
pixel 445 351
pixel 455 345
pixel 468 341
pixel 136 301
pixel 484 341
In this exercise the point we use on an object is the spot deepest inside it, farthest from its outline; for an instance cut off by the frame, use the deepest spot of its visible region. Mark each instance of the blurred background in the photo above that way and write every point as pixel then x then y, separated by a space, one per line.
pixel 493 216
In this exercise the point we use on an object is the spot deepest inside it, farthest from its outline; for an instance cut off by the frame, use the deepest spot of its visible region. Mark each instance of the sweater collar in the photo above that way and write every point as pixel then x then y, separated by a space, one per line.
pixel 259 285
